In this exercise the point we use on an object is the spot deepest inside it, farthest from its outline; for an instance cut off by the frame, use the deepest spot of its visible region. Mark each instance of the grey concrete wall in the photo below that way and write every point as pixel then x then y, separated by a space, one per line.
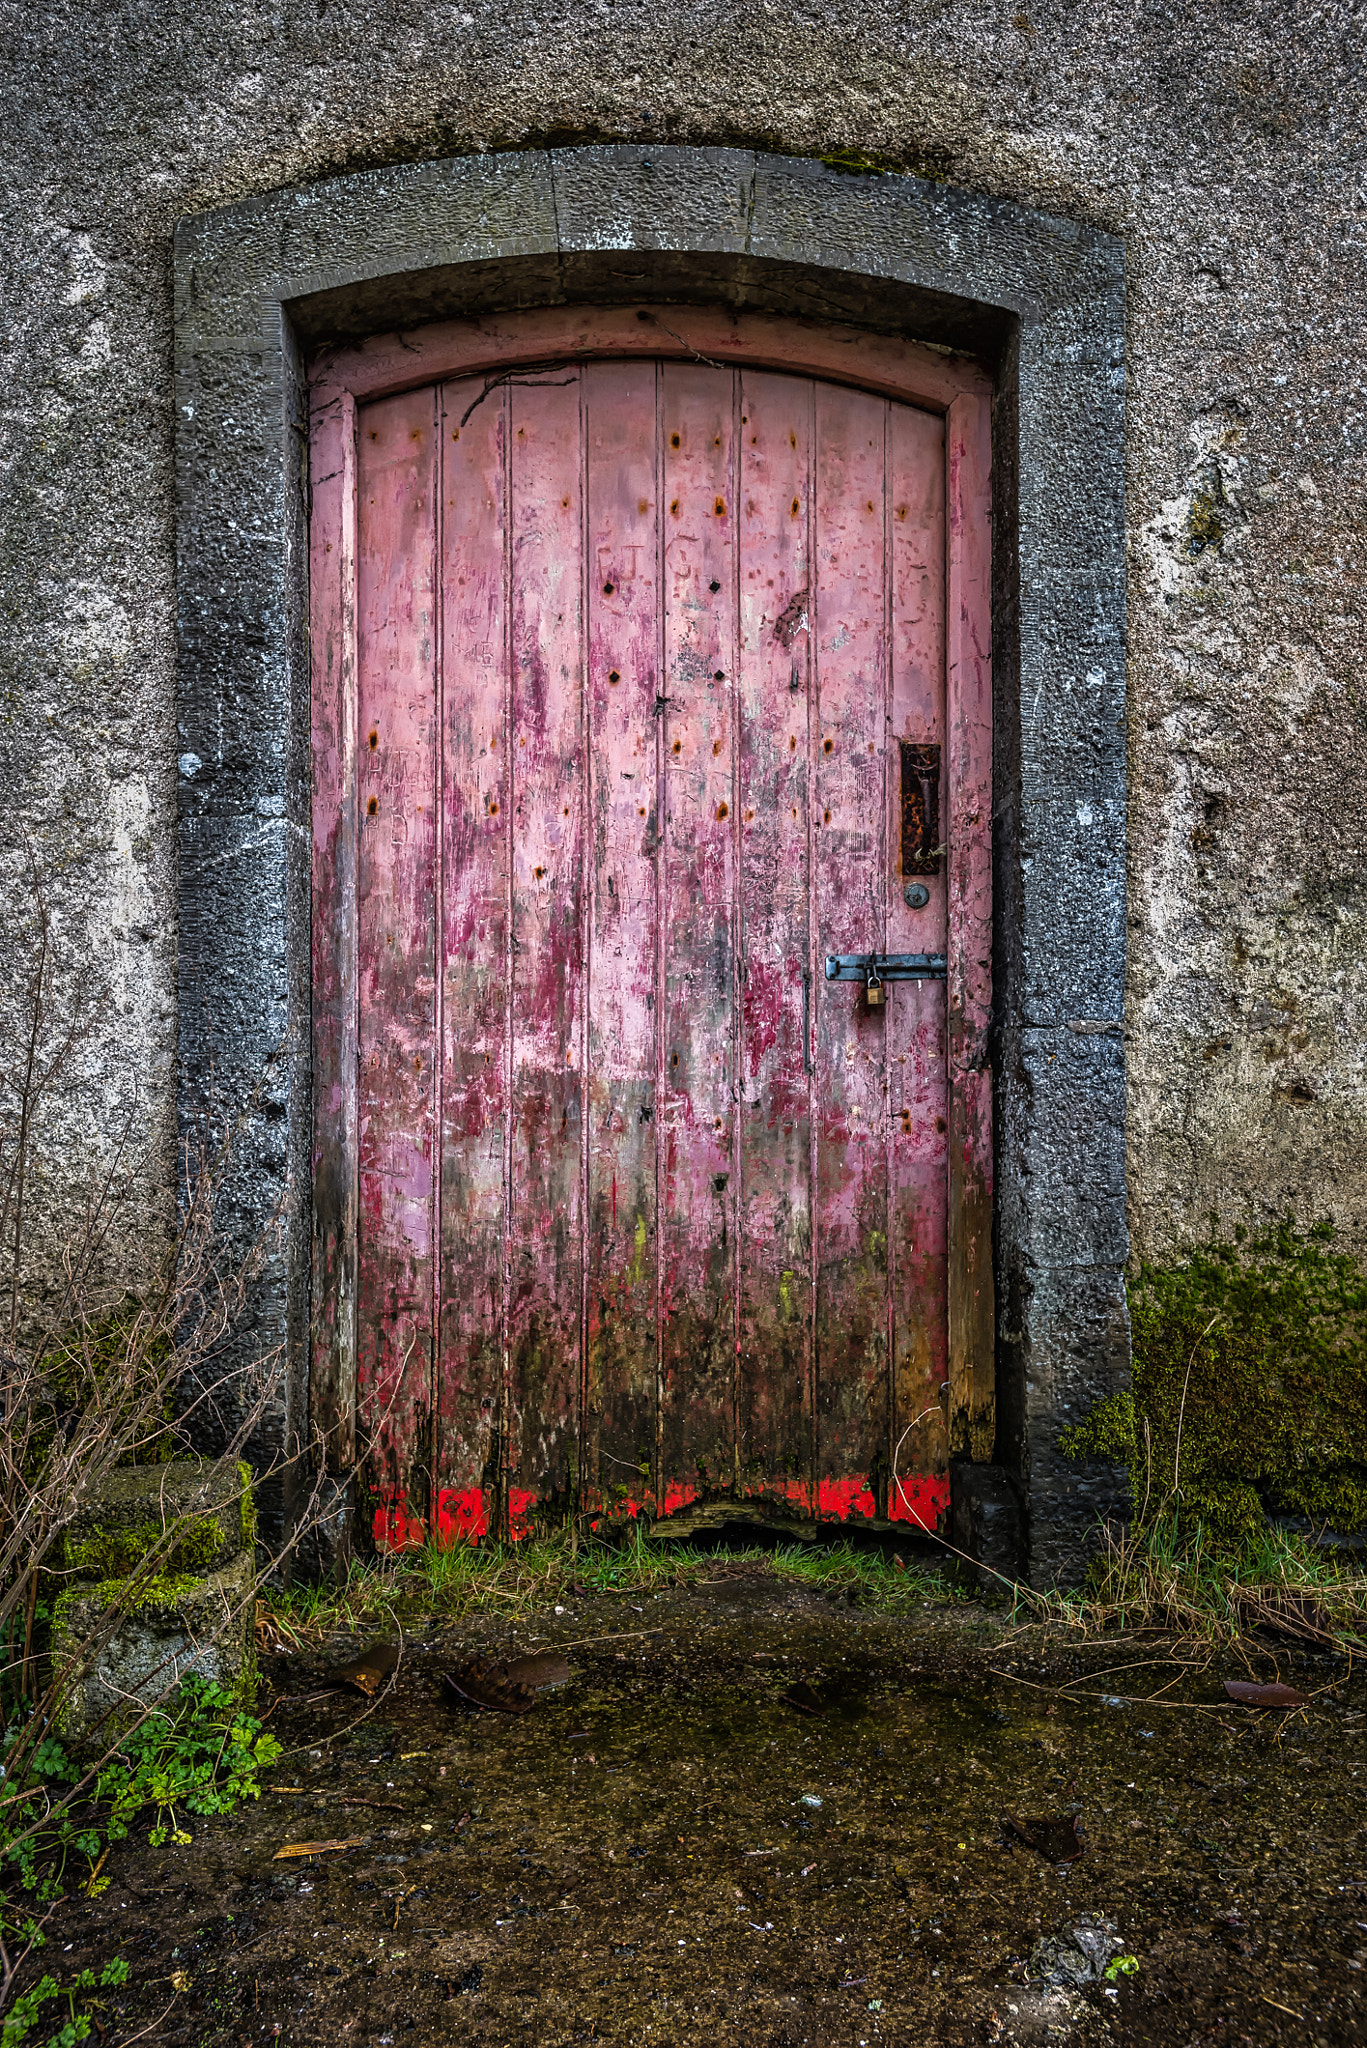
pixel 1220 143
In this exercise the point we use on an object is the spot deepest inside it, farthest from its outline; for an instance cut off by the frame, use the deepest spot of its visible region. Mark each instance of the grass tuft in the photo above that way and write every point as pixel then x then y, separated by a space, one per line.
pixel 453 1581
pixel 1165 1575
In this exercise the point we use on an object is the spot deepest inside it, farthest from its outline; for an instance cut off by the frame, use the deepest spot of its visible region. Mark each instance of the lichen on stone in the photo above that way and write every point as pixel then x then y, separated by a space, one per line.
pixel 1206 521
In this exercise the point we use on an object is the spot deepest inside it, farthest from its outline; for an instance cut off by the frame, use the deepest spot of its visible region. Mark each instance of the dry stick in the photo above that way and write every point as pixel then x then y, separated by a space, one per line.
pixel 1114 1670
pixel 151 2024
pixel 1182 1409
pixel 1148 1469
pixel 933 1410
pixel 1185 1706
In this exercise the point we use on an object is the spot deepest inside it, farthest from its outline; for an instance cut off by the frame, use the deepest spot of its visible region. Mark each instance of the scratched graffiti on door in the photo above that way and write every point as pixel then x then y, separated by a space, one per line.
pixel 648 718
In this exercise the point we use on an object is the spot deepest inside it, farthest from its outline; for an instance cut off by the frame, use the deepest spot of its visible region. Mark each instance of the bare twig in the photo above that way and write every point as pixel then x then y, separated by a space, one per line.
pixel 1182 1409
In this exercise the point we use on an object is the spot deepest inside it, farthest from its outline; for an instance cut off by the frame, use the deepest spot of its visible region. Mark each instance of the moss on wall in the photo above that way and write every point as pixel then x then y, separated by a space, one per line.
pixel 1249 1386
pixel 113 1551
pixel 159 1594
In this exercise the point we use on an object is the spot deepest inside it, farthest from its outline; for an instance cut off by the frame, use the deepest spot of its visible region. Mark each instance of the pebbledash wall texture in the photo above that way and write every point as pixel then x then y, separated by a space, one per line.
pixel 1205 162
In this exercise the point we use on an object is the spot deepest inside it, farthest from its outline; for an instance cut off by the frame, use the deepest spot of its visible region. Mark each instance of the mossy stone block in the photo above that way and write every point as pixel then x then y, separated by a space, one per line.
pixel 208 1512
pixel 157 1632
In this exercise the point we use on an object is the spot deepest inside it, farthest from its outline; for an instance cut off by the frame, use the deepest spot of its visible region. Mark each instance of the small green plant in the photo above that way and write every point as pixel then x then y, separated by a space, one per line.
pixel 24 2015
pixel 198 1754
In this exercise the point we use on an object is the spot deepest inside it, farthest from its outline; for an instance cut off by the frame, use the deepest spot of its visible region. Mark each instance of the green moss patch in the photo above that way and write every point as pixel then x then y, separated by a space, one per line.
pixel 114 1551
pixel 1249 1387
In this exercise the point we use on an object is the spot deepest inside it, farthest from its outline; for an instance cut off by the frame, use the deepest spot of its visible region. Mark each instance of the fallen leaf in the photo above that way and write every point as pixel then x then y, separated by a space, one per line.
pixel 368 1670
pixel 1264 1695
pixel 550 1668
pixel 316 1848
pixel 1058 1839
pixel 485 1685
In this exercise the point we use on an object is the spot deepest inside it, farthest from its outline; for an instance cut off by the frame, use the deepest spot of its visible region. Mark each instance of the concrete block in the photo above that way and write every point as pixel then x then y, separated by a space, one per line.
pixel 164 1629
pixel 208 1511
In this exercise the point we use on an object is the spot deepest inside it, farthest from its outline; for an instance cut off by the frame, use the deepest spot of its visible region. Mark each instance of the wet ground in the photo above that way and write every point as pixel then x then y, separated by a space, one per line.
pixel 667 1849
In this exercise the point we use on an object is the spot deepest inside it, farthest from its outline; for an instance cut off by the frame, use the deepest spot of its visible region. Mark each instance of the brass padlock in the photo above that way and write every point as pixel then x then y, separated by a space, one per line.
pixel 875 992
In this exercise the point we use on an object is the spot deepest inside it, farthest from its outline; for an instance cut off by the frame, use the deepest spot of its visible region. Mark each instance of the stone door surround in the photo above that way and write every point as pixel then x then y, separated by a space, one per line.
pixel 263 284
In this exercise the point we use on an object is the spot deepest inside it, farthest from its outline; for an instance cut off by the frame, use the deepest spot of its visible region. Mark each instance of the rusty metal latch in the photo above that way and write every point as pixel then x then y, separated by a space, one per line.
pixel 880 967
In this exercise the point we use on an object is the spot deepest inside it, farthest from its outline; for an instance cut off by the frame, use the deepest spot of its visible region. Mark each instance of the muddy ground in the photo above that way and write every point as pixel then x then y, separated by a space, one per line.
pixel 667 1850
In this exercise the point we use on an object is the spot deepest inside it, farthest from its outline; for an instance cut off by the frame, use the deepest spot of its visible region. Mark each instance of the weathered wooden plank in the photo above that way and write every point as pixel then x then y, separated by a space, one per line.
pixel 917 1101
pixel 396 944
pixel 495 343
pixel 474 989
pixel 972 1373
pixel 697 1112
pixel 332 1378
pixel 777 991
pixel 621 457
pixel 851 1194
pixel 547 870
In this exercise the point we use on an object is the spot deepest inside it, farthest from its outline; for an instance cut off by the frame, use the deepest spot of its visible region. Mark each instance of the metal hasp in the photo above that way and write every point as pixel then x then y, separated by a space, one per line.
pixel 885 967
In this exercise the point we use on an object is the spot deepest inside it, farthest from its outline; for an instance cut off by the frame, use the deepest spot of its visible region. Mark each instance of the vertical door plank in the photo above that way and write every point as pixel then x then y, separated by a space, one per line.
pixel 848 793
pixel 547 868
pixel 917 1097
pixel 395 893
pixel 972 1372
pixel 773 1421
pixel 698 1190
pixel 332 1375
pixel 621 450
pixel 473 956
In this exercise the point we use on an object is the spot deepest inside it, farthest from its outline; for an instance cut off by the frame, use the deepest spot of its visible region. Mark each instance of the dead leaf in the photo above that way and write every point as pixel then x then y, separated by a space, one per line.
pixel 1264 1695
pixel 367 1671
pixel 488 1686
pixel 316 1848
pixel 549 1668
pixel 1058 1839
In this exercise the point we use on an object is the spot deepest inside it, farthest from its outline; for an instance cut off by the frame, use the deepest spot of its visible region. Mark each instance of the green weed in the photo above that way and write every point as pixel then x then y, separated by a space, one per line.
pixel 1169 1575
pixel 25 2013
pixel 465 1578
pixel 196 1754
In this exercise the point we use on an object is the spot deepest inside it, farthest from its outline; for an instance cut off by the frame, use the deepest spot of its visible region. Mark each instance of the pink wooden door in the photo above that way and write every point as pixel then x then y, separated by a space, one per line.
pixel 649 719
